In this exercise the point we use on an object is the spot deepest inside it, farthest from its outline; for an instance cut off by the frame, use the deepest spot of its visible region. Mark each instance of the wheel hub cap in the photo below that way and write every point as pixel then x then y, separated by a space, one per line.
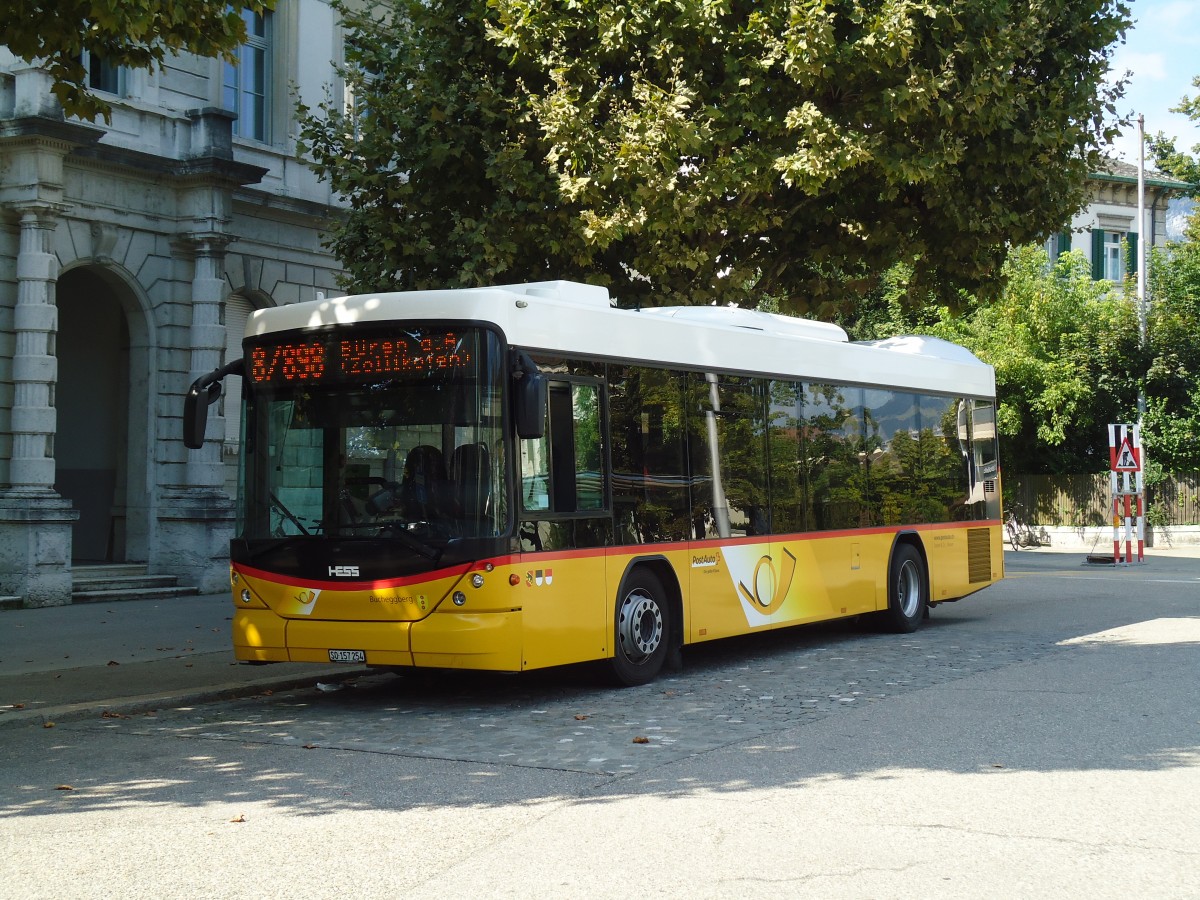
pixel 640 628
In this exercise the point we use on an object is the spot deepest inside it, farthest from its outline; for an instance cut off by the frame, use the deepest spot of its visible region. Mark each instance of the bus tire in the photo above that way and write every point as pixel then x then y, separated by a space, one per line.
pixel 642 629
pixel 908 590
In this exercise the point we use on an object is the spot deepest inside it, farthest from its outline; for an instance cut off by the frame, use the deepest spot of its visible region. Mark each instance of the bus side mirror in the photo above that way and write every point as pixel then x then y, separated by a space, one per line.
pixel 531 405
pixel 529 396
pixel 195 411
pixel 203 393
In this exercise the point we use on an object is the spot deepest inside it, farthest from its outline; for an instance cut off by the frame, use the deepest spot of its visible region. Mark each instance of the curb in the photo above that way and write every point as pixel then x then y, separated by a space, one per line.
pixel 50 716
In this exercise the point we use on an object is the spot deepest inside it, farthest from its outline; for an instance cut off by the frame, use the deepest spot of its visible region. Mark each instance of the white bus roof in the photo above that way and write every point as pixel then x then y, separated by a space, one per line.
pixel 572 319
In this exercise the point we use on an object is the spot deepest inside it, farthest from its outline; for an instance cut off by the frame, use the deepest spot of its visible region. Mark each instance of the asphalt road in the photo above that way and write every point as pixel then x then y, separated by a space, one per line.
pixel 1041 738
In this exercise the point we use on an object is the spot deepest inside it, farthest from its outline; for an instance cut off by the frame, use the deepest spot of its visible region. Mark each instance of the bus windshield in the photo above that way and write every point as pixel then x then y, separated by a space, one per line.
pixel 395 432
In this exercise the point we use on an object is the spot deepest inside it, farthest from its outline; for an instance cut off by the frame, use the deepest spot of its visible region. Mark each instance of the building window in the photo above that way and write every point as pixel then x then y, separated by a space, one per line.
pixel 357 84
pixel 246 82
pixel 101 75
pixel 1058 244
pixel 1113 270
pixel 1114 254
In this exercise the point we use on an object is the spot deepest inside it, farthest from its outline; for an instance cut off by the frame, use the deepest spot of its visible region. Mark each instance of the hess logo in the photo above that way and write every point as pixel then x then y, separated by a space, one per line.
pixel 343 571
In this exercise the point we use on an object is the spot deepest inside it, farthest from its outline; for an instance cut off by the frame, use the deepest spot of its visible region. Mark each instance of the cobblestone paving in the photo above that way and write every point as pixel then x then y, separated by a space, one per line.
pixel 728 692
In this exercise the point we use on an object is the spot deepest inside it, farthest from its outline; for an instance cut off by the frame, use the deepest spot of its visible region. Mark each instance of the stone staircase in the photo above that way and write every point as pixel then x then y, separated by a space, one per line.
pixel 123 581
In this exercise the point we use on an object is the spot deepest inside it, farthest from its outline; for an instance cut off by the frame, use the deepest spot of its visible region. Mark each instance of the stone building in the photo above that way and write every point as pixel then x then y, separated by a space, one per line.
pixel 1106 230
pixel 130 254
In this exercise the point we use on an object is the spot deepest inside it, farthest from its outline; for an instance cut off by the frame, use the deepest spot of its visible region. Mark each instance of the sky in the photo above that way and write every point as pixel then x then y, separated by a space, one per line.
pixel 1162 51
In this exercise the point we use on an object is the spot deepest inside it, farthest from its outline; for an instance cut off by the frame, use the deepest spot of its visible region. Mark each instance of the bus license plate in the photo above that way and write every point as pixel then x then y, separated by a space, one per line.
pixel 350 656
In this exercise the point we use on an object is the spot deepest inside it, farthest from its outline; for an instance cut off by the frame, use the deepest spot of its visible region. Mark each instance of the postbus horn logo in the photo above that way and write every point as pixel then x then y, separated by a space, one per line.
pixel 768 605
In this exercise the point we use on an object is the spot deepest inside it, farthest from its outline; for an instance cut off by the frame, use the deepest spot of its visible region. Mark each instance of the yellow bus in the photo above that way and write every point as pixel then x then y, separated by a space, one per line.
pixel 523 476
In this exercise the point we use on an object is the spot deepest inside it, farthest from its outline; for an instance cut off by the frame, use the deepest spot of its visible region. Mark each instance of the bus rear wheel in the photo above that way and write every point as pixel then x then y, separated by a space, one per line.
pixel 642 629
pixel 908 590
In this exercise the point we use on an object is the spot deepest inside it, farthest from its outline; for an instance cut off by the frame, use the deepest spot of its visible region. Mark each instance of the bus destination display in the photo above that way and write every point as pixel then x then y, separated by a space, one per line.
pixel 353 359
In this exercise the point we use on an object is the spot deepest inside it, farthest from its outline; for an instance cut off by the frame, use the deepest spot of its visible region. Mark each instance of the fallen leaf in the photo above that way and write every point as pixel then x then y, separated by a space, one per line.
pixel 187 665
pixel 238 819
pixel 113 662
pixel 47 724
pixel 997 766
pixel 109 714
pixel 18 706
pixel 64 787
pixel 641 740
pixel 310 746
pixel 581 717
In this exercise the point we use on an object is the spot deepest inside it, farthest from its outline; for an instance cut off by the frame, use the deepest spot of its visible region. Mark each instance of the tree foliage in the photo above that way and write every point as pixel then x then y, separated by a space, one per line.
pixel 137 34
pixel 713 150
pixel 1068 357
pixel 1065 350
pixel 442 164
pixel 1173 376
pixel 1174 162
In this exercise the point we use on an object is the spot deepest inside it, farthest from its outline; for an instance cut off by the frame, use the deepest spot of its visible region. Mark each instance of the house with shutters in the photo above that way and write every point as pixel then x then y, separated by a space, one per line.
pixel 1106 230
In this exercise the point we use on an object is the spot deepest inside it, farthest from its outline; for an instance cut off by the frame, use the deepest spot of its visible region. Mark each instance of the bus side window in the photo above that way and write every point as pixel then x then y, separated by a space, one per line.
pixel 563 471
pixel 535 473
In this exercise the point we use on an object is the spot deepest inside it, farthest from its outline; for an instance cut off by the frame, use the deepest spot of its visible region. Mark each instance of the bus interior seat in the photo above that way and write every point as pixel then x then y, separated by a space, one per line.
pixel 423 490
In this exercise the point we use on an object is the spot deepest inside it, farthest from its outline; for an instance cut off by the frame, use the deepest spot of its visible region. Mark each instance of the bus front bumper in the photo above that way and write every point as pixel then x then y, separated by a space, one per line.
pixel 445 640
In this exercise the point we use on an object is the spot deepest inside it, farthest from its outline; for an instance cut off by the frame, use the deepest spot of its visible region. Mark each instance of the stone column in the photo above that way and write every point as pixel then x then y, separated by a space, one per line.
pixel 35 522
pixel 205 470
pixel 196 519
pixel 35 368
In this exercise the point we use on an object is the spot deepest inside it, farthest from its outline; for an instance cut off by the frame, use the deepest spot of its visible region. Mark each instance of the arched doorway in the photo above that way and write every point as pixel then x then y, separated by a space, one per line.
pixel 98 360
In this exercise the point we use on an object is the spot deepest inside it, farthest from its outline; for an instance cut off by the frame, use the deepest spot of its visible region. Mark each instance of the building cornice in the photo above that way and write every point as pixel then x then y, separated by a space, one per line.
pixel 205 168
pixel 48 129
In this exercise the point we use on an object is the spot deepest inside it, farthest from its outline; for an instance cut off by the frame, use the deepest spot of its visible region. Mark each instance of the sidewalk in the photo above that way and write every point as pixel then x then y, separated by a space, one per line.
pixel 66 662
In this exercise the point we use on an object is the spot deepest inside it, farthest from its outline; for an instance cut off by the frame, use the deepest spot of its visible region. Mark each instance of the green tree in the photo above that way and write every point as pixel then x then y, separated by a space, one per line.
pixel 137 34
pixel 1067 355
pixel 1065 349
pixel 1174 162
pixel 441 162
pixel 1172 425
pixel 713 150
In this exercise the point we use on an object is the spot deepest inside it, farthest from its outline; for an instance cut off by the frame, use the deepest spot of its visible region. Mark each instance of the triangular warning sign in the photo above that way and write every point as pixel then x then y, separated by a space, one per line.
pixel 1128 459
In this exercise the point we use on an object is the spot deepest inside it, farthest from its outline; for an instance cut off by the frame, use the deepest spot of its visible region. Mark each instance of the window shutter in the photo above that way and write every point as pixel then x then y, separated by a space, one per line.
pixel 1064 243
pixel 1131 264
pixel 1097 254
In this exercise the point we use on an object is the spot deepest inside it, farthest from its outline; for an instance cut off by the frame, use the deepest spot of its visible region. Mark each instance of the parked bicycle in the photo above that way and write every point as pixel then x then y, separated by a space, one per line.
pixel 1021 533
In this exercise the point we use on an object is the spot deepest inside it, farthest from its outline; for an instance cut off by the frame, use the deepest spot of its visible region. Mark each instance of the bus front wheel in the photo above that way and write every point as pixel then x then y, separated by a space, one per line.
pixel 908 590
pixel 643 629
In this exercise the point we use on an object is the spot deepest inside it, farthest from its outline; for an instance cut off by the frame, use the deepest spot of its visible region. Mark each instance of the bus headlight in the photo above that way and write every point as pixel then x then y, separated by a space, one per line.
pixel 246 597
pixel 477 580
pixel 459 598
